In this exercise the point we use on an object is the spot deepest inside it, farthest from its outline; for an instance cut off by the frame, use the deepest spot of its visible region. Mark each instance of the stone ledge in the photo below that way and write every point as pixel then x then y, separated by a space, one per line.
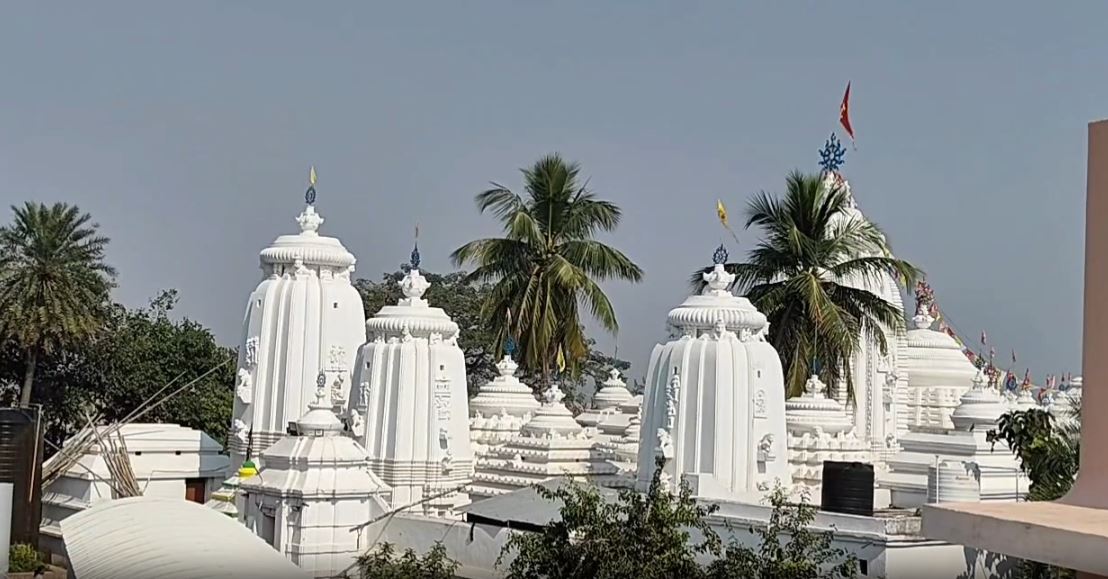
pixel 1050 532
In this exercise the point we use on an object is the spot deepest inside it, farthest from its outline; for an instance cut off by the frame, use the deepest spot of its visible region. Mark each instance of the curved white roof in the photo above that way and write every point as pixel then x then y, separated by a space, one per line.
pixel 158 538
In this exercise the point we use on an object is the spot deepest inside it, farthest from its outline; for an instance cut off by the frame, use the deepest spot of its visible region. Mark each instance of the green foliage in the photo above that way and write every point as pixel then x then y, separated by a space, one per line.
pixel 54 283
pixel 547 265
pixel 662 535
pixel 137 351
pixel 637 536
pixel 1049 455
pixel 23 558
pixel 810 242
pixel 385 563
pixel 789 548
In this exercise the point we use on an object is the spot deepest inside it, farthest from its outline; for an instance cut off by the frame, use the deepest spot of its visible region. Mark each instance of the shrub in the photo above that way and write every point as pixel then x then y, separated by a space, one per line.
pixel 23 558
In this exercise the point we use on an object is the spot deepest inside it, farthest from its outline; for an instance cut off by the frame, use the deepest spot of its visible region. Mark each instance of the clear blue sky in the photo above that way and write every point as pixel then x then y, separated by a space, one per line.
pixel 186 129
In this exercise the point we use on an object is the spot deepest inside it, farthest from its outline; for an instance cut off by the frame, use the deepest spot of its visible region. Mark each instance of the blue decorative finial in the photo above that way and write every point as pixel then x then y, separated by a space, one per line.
pixel 720 256
pixel 510 347
pixel 831 155
pixel 415 257
pixel 815 365
pixel 309 195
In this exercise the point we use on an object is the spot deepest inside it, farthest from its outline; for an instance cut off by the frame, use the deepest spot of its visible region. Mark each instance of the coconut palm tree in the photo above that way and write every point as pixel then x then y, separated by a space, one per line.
pixel 54 283
pixel 805 273
pixel 546 267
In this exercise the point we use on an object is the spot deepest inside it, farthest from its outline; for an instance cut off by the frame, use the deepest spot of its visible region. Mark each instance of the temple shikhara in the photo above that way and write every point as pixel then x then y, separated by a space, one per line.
pixel 347 433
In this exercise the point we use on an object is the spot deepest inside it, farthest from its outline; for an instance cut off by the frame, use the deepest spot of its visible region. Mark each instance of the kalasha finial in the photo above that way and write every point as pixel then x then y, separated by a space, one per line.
pixel 510 347
pixel 309 195
pixel 720 256
pixel 831 155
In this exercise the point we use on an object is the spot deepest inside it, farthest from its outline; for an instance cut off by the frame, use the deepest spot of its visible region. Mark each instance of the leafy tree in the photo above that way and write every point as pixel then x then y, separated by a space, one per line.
pixel 798 276
pixel 547 265
pixel 461 299
pixel 137 352
pixel 385 563
pixel 637 536
pixel 803 554
pixel 54 283
pixel 1049 455
pixel 662 535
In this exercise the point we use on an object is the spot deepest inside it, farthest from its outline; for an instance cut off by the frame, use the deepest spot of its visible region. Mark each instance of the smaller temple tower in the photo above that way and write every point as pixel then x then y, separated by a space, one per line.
pixel 315 493
pixel 715 398
pixel 410 409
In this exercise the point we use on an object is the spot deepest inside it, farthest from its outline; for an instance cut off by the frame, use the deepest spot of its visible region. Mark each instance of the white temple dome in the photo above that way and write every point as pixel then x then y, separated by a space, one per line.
pixel 552 418
pixel 938 371
pixel 412 314
pixel 814 411
pixel 981 407
pixel 612 393
pixel 504 394
pixel 303 322
pixel 714 405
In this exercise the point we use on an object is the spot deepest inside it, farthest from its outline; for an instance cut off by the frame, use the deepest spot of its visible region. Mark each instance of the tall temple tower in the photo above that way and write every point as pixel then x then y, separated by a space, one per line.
pixel 409 409
pixel 714 405
pixel 880 379
pixel 303 325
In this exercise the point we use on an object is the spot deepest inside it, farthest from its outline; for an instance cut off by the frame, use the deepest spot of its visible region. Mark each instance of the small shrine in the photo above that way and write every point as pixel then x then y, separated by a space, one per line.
pixel 605 403
pixel 551 444
pixel 819 429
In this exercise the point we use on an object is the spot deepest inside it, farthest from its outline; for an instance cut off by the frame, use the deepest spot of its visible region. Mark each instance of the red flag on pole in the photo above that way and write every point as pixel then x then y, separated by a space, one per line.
pixel 844 114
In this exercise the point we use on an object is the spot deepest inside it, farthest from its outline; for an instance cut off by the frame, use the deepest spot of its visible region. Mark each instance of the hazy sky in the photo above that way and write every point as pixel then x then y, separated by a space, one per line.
pixel 187 131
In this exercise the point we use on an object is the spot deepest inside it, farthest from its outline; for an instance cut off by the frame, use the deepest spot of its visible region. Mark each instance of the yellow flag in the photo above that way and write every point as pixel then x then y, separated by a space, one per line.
pixel 561 361
pixel 311 176
pixel 722 212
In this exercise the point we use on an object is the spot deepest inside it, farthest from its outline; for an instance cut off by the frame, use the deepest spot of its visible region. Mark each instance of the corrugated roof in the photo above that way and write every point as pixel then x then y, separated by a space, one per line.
pixel 524 508
pixel 156 538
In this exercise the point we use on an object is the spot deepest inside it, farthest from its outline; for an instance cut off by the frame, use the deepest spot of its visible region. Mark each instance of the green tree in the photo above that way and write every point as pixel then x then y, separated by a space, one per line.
pixel 385 563
pixel 1049 455
pixel 136 353
pixel 461 299
pixel 54 282
pixel 789 548
pixel 636 536
pixel 799 276
pixel 662 535
pixel 547 265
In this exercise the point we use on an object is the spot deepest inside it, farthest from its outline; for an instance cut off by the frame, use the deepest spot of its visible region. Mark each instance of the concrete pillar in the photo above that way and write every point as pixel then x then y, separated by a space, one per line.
pixel 1091 487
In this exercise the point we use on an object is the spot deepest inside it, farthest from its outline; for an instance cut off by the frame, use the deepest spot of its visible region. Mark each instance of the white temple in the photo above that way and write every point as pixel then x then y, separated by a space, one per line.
pixel 500 409
pixel 303 322
pixel 879 378
pixel 409 408
pixel 714 405
pixel 314 493
pixel 820 429
pixel 551 444
pixel 938 371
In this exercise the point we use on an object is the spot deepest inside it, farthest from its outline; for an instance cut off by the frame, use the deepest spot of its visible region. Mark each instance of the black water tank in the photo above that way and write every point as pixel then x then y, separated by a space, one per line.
pixel 21 455
pixel 847 488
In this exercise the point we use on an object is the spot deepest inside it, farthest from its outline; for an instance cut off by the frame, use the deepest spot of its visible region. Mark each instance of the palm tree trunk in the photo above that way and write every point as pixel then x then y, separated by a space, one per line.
pixel 29 377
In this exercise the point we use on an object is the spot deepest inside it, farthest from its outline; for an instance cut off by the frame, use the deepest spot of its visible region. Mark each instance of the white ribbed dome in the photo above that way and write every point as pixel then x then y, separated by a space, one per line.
pixel 304 322
pixel 552 418
pixel 612 393
pixel 814 411
pixel 412 314
pixel 504 394
pixel 980 408
pixel 938 374
pixel 715 397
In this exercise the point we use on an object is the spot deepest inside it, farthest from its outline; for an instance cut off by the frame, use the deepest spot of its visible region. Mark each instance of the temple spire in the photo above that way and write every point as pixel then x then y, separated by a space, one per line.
pixel 309 195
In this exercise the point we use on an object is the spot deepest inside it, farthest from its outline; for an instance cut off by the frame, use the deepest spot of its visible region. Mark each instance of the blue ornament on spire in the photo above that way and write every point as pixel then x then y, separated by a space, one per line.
pixel 510 347
pixel 414 260
pixel 309 195
pixel 720 256
pixel 831 155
